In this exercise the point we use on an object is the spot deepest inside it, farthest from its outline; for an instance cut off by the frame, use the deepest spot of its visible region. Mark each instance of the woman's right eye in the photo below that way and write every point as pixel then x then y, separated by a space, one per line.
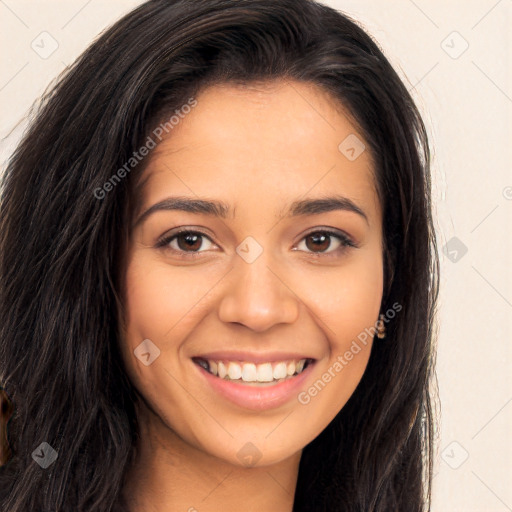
pixel 185 241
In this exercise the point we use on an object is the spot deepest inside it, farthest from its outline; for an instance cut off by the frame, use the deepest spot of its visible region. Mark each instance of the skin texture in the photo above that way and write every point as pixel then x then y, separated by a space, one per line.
pixel 257 149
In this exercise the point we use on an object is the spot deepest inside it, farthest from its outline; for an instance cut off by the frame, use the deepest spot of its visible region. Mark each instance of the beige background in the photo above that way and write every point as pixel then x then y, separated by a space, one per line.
pixel 465 95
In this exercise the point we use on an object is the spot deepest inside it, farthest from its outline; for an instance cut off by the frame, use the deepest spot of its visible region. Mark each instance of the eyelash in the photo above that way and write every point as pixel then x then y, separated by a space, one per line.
pixel 346 242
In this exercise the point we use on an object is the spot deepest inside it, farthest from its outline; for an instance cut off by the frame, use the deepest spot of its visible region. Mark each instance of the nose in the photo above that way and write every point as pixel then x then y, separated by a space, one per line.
pixel 257 297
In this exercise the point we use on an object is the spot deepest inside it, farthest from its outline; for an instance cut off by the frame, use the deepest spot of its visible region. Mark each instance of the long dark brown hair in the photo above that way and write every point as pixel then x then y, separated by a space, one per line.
pixel 62 257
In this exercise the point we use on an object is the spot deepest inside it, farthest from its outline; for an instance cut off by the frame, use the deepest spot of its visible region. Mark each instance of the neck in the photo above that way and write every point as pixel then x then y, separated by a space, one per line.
pixel 170 475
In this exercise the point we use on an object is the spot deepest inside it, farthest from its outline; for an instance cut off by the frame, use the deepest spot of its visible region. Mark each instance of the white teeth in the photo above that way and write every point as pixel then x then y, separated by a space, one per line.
pixel 250 372
pixel 222 370
pixel 280 371
pixel 265 373
pixel 234 371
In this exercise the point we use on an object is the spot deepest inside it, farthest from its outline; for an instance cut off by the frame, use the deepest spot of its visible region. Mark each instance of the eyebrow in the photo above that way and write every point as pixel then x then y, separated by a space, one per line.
pixel 222 210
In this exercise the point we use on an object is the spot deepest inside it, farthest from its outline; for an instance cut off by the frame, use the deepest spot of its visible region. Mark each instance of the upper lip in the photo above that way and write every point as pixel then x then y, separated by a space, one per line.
pixel 252 357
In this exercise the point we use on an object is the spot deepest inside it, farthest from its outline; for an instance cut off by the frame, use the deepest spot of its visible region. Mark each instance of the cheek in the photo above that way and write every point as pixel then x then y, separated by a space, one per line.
pixel 153 306
pixel 347 298
pixel 163 304
pixel 348 303
pixel 159 304
pixel 161 300
pixel 361 295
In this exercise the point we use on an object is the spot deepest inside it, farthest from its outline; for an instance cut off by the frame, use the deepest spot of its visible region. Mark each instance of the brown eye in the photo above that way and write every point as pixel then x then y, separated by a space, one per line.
pixel 321 242
pixel 189 241
pixel 185 241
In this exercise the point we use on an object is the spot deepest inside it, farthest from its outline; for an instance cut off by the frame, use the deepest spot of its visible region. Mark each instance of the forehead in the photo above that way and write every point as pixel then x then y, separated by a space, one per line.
pixel 261 144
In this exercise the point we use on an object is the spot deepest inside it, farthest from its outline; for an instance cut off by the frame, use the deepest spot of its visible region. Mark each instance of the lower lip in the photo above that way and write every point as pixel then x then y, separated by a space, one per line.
pixel 254 397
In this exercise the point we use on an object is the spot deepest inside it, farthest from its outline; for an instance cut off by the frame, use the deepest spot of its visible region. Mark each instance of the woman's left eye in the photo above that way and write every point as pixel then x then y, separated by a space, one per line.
pixel 317 242
pixel 322 240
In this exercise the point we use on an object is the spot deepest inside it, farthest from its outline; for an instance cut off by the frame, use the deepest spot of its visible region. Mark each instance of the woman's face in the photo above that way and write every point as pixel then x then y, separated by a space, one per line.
pixel 258 286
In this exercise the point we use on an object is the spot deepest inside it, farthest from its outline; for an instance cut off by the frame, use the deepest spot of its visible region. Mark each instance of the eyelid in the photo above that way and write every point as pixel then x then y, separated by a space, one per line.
pixel 331 231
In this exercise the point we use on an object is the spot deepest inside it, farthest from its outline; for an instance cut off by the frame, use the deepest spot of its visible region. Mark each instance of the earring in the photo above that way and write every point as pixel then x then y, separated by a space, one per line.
pixel 381 328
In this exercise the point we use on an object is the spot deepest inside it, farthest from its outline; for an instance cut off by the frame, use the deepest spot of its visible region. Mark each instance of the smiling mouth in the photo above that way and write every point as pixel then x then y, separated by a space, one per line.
pixel 263 374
